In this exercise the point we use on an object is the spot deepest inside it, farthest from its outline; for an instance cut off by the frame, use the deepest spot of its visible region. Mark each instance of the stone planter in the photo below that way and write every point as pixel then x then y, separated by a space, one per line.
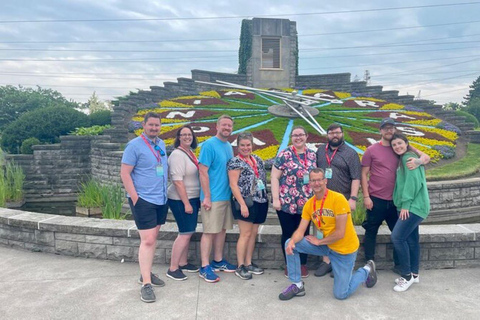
pixel 88 212
pixel 15 204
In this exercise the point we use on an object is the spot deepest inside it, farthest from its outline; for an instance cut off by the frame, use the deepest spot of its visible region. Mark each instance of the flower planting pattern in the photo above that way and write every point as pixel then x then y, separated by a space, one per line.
pixel 360 117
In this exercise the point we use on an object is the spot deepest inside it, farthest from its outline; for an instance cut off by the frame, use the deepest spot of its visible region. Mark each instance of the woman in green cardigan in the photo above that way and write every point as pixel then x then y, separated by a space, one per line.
pixel 411 199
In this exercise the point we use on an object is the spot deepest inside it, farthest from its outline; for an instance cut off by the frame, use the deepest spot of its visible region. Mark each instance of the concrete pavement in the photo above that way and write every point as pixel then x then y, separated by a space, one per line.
pixel 45 286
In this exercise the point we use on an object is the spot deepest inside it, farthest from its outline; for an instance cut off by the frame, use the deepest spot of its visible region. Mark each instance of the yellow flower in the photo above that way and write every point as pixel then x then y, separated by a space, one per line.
pixel 392 106
pixel 173 104
pixel 431 142
pixel 165 129
pixel 138 132
pixel 268 152
pixel 188 97
pixel 417 113
pixel 432 122
pixel 145 111
pixel 312 91
pixel 450 135
pixel 434 155
pixel 212 93
pixel 342 95
pixel 370 99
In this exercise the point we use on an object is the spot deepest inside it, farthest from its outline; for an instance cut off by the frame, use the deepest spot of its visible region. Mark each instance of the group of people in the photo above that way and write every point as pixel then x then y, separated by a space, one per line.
pixel 307 186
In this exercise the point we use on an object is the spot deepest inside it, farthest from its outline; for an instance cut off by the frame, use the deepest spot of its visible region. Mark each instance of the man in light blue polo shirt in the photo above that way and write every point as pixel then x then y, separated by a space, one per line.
pixel 144 173
pixel 215 196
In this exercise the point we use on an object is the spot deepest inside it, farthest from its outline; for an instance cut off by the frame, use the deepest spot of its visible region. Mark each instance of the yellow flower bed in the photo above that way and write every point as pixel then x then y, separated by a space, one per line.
pixel 188 97
pixel 370 99
pixel 212 93
pixel 268 152
pixel 145 111
pixel 342 95
pixel 165 129
pixel 173 104
pixel 450 135
pixel 135 118
pixel 287 89
pixel 169 141
pixel 238 90
pixel 431 142
pixel 434 155
pixel 392 106
pixel 312 91
pixel 138 132
pixel 417 113
pixel 432 122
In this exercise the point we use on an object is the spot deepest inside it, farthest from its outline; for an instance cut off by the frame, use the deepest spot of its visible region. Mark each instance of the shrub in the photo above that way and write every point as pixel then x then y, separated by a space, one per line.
pixel 89 195
pixel 101 118
pixel 113 198
pixel 27 144
pixel 45 124
pixel 89 131
pixel 468 117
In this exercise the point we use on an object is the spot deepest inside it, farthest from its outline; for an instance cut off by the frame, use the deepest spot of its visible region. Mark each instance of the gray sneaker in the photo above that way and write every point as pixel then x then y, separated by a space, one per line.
pixel 292 291
pixel 156 281
pixel 147 294
pixel 372 275
pixel 243 273
pixel 253 268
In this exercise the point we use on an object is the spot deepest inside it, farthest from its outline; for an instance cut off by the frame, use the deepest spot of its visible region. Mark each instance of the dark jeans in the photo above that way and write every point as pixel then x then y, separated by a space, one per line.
pixel 382 210
pixel 405 238
pixel 289 223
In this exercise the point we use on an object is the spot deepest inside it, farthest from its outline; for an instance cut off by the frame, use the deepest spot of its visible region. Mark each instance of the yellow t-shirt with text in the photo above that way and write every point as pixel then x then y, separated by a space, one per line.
pixel 335 204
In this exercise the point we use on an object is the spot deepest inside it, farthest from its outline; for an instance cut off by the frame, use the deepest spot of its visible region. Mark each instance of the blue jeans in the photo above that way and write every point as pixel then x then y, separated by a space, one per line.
pixel 345 283
pixel 405 239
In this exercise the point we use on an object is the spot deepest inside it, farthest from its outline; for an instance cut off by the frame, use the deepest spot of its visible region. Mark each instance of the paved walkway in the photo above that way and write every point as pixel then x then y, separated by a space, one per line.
pixel 45 286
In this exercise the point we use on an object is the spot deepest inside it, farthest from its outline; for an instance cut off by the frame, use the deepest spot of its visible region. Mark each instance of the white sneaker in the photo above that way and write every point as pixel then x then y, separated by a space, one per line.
pixel 403 284
pixel 415 280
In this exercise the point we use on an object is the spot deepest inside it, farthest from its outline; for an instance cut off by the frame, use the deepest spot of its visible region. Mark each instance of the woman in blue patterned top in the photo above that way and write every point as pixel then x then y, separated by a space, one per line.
pixel 248 181
pixel 290 188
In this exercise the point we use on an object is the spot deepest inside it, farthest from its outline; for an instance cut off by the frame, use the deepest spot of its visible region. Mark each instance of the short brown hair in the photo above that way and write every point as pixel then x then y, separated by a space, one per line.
pixel 151 115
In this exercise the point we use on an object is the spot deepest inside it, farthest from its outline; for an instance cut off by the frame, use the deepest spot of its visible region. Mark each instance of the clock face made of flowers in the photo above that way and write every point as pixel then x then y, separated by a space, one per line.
pixel 359 116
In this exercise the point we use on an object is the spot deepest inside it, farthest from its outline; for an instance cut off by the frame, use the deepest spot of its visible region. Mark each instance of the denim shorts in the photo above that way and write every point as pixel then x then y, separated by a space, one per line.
pixel 186 222
pixel 257 213
pixel 148 215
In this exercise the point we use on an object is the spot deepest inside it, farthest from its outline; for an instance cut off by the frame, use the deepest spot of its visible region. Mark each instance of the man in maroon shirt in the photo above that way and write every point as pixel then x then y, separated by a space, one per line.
pixel 379 165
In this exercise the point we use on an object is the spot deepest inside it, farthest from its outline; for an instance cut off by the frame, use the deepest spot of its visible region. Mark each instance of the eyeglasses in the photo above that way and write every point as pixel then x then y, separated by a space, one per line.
pixel 336 133
pixel 186 135
pixel 298 135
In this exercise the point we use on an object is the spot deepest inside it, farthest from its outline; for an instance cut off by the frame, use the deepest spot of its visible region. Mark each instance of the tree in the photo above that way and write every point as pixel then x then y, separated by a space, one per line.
pixel 452 106
pixel 95 105
pixel 474 91
pixel 15 102
pixel 473 107
pixel 45 124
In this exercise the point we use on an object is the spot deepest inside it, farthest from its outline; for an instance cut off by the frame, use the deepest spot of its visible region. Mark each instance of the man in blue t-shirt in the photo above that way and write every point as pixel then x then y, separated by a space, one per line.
pixel 144 173
pixel 215 196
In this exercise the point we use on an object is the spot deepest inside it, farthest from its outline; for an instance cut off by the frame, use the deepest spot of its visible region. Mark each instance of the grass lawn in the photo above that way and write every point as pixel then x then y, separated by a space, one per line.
pixel 465 167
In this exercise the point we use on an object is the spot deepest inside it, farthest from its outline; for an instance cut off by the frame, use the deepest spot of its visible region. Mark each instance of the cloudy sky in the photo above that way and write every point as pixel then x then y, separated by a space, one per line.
pixel 113 47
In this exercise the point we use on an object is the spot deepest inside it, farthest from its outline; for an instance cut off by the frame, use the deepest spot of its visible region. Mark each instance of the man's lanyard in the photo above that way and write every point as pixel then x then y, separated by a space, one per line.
pixel 319 217
pixel 156 154
pixel 303 163
pixel 329 160
pixel 253 165
pixel 191 155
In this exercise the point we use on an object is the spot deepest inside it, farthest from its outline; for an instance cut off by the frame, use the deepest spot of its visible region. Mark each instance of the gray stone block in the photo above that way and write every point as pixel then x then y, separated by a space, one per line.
pixel 70 237
pixel 266 254
pixel 120 252
pixel 35 247
pixel 15 234
pixel 164 244
pixel 437 264
pixel 92 250
pixel 160 256
pixel 467 263
pixel 68 248
pixel 45 238
pixel 16 244
pixel 451 254
pixel 98 239
pixel 119 241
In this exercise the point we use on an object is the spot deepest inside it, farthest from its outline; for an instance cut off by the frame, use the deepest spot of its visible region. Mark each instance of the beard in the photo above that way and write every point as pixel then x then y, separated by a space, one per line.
pixel 335 143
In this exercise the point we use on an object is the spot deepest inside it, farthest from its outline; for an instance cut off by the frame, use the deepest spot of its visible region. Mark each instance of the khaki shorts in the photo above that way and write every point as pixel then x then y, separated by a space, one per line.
pixel 219 217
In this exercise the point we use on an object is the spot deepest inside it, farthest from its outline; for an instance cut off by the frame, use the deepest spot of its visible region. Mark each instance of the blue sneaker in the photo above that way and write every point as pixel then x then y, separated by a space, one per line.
pixel 208 275
pixel 223 266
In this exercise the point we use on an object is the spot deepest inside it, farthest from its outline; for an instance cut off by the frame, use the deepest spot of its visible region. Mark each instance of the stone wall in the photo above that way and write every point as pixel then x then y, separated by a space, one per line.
pixel 443 246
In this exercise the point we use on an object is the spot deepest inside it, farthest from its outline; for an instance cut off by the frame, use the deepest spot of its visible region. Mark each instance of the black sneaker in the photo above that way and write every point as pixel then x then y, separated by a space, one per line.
pixel 177 275
pixel 253 268
pixel 243 273
pixel 372 275
pixel 323 269
pixel 147 294
pixel 292 291
pixel 189 268
pixel 156 281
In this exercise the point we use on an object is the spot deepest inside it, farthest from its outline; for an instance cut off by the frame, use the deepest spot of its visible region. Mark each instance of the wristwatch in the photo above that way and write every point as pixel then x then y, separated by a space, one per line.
pixel 354 198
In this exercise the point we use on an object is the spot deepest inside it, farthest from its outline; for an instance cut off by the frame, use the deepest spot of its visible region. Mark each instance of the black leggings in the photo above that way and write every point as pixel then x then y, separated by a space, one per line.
pixel 289 223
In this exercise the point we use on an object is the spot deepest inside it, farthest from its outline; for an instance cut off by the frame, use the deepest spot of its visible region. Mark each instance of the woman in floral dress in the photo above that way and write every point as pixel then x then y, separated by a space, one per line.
pixel 290 188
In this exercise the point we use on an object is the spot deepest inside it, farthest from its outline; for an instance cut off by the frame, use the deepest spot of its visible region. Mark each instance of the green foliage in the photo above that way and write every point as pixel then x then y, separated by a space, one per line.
pixel 358 216
pixel 95 105
pixel 46 124
pixel 101 118
pixel 113 198
pixel 14 102
pixel 27 144
pixel 452 106
pixel 89 131
pixel 3 188
pixel 245 50
pixel 473 107
pixel 89 194
pixel 467 166
pixel 469 117
pixel 473 93
pixel 14 179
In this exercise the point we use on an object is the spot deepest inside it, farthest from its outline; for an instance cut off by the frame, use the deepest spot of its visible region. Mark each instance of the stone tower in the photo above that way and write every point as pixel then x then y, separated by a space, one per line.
pixel 269 52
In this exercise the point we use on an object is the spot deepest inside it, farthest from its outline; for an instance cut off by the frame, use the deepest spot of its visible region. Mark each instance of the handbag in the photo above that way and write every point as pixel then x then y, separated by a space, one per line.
pixel 248 201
